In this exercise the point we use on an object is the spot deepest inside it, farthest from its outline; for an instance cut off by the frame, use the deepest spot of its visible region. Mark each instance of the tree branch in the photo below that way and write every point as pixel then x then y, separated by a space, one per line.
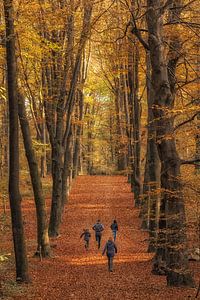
pixel 195 161
pixel 165 6
pixel 186 121
pixel 137 33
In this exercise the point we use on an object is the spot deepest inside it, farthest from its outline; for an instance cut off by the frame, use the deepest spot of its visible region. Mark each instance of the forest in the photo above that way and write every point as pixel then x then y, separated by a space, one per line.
pixel 99 121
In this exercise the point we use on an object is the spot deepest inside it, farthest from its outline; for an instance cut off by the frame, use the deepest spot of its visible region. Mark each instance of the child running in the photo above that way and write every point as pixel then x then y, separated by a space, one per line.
pixel 86 236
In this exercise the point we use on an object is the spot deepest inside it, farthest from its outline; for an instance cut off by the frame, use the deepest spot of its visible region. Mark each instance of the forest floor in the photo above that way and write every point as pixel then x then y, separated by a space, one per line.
pixel 73 272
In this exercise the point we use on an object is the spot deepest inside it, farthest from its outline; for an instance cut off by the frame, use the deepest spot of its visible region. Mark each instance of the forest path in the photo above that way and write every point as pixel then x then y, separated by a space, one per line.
pixel 75 273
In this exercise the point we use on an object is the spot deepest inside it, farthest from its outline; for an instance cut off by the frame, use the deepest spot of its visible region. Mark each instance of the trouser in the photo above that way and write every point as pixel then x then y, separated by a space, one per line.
pixel 98 239
pixel 110 263
pixel 114 235
pixel 86 244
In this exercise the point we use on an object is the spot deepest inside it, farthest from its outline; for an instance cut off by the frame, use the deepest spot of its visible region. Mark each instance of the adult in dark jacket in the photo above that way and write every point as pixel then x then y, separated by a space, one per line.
pixel 114 228
pixel 110 249
pixel 98 228
pixel 86 236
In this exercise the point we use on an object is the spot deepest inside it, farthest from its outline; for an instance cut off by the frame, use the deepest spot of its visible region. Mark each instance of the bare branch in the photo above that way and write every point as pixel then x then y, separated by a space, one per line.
pixel 137 33
pixel 125 32
pixel 186 121
pixel 195 161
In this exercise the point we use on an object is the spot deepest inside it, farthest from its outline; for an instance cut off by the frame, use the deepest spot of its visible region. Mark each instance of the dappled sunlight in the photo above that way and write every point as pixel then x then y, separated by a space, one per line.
pixel 100 260
pixel 98 206
pixel 88 206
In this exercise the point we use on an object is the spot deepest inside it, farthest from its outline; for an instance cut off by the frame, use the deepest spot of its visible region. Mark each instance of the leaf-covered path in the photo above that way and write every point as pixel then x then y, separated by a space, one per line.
pixel 75 273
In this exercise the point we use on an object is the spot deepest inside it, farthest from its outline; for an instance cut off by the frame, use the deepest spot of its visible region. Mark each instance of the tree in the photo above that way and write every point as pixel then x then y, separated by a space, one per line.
pixel 152 168
pixel 172 204
pixel 14 193
pixel 43 247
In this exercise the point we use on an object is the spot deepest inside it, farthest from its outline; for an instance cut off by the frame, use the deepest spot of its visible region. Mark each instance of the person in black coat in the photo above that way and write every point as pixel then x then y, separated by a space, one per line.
pixel 114 228
pixel 98 228
pixel 110 249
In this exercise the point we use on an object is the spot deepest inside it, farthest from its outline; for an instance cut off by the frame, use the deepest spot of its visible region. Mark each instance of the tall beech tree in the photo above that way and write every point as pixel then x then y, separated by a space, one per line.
pixel 14 193
pixel 172 202
pixel 43 247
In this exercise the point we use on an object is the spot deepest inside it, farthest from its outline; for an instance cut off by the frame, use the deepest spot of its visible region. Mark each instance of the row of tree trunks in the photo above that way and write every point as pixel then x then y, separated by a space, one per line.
pixel 63 108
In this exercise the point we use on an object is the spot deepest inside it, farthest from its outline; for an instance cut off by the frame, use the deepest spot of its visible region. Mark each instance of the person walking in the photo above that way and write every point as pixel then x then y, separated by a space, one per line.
pixel 98 228
pixel 110 249
pixel 114 228
pixel 86 236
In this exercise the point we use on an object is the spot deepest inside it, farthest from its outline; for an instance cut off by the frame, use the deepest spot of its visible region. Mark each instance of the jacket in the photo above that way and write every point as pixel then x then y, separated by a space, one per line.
pixel 110 248
pixel 86 235
pixel 98 228
pixel 114 226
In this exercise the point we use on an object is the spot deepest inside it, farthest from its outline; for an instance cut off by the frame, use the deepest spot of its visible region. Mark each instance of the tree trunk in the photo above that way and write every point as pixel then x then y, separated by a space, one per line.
pixel 56 205
pixel 67 169
pixel 14 193
pixel 42 227
pixel 43 166
pixel 197 138
pixel 78 137
pixel 136 130
pixel 121 157
pixel 172 203
pixel 153 166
